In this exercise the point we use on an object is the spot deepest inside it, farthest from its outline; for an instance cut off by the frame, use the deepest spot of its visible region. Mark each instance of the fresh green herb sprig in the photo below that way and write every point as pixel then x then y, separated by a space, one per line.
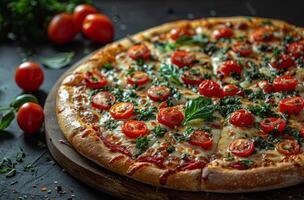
pixel 171 73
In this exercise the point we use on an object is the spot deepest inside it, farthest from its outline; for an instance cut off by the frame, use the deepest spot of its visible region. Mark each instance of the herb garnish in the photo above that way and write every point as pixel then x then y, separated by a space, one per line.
pixel 159 131
pixel 142 144
pixel 171 73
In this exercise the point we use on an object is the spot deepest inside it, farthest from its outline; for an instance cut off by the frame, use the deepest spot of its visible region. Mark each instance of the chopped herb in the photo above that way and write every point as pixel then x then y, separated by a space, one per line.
pixel 247 162
pixel 266 22
pixel 11 173
pixel 276 52
pixel 171 73
pixel 107 66
pixel 29 168
pixel 179 138
pixel 111 124
pixel 159 131
pixel 201 40
pixel 20 155
pixel 262 110
pixel 140 62
pixel 170 149
pixel 145 113
pixel 262 144
pixel 142 144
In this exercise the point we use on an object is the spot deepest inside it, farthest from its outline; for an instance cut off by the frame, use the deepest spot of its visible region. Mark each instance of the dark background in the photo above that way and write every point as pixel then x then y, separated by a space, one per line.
pixel 129 17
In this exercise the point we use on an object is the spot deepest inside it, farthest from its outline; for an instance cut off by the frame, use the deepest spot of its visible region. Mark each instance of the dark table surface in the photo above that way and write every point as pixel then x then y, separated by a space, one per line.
pixel 49 180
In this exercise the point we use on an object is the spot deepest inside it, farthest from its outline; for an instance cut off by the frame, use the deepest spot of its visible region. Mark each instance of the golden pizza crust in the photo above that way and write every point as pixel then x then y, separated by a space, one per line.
pixel 212 178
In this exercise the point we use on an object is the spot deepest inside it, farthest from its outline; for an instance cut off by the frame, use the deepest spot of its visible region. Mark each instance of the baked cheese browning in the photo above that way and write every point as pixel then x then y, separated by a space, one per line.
pixel 207 94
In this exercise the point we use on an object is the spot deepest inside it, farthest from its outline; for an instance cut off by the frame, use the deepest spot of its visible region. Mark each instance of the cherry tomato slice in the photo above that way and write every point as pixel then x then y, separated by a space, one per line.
pixel 192 76
pixel 122 110
pixel 242 118
pixel 242 147
pixel 61 29
pixel 230 66
pixel 134 129
pixel 270 124
pixel 139 52
pixel 29 76
pixel 302 132
pixel 265 86
pixel 284 83
pixel 209 88
pixel 80 12
pixel 296 49
pixel 103 100
pixel 98 28
pixel 159 93
pixel 288 147
pixel 201 138
pixel 284 61
pixel 262 34
pixel 291 105
pixel 178 32
pixel 242 48
pixel 170 116
pixel 182 58
pixel 95 79
pixel 230 90
pixel 138 78
pixel 223 33
pixel 30 117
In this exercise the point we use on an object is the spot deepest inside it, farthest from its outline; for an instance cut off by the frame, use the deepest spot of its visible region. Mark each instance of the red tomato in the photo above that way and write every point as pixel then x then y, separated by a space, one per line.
pixel 242 147
pixel 288 147
pixel 302 132
pixel 284 61
pixel 223 33
pixel 122 110
pixel 30 117
pixel 242 118
pixel 242 48
pixel 176 33
pixel 139 51
pixel 98 28
pixel 230 66
pixel 262 34
pixel 230 90
pixel 265 86
pixel 95 79
pixel 202 139
pixel 284 83
pixel 80 12
pixel 291 105
pixel 138 78
pixel 29 76
pixel 270 124
pixel 170 116
pixel 103 100
pixel 134 129
pixel 182 58
pixel 159 93
pixel 61 29
pixel 209 88
pixel 296 49
pixel 192 76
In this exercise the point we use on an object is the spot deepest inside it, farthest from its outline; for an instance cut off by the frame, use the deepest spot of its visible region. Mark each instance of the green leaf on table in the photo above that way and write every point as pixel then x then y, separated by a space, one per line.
pixel 58 61
pixel 22 99
pixel 6 119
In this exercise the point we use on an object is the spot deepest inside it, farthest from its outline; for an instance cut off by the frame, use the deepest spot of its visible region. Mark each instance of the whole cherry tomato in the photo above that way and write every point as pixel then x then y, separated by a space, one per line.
pixel 30 117
pixel 159 93
pixel 170 116
pixel 201 139
pixel 270 124
pixel 80 12
pixel 122 110
pixel 103 100
pixel 284 83
pixel 230 66
pixel 29 76
pixel 139 51
pixel 209 88
pixel 134 129
pixel 98 28
pixel 61 29
pixel 223 33
pixel 242 118
pixel 242 147
pixel 182 58
pixel 291 105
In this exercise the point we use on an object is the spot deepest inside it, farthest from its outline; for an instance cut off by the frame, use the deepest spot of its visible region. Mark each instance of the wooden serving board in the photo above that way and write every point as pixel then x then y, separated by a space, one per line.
pixel 117 185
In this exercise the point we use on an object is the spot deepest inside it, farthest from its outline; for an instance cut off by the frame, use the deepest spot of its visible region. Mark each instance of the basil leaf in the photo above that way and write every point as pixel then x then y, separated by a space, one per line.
pixel 7 119
pixel 199 108
pixel 171 73
pixel 58 61
pixel 22 99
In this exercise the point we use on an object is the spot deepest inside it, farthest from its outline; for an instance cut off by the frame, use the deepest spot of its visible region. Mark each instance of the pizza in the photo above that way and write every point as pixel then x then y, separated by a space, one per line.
pixel 211 104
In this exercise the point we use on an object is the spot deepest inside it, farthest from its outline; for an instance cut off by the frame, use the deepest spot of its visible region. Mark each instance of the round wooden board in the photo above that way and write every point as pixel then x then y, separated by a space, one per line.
pixel 105 180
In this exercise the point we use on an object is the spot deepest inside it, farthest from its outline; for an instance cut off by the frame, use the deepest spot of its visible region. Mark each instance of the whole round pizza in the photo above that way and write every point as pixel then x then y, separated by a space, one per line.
pixel 205 105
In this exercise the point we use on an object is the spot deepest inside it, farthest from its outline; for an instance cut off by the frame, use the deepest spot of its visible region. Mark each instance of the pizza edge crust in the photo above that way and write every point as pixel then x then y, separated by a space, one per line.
pixel 213 179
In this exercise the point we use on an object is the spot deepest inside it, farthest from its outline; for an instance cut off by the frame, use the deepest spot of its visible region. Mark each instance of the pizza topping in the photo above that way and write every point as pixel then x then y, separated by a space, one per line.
pixel 284 83
pixel 242 48
pixel 223 33
pixel 179 32
pixel 230 90
pixel 122 110
pixel 192 76
pixel 269 125
pixel 103 100
pixel 209 88
pixel 182 58
pixel 296 49
pixel 138 78
pixel 242 147
pixel 159 93
pixel 95 79
pixel 262 34
pixel 288 147
pixel 170 116
pixel 139 52
pixel 283 61
pixel 229 67
pixel 265 86
pixel 291 105
pixel 242 118
pixel 134 129
pixel 201 139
